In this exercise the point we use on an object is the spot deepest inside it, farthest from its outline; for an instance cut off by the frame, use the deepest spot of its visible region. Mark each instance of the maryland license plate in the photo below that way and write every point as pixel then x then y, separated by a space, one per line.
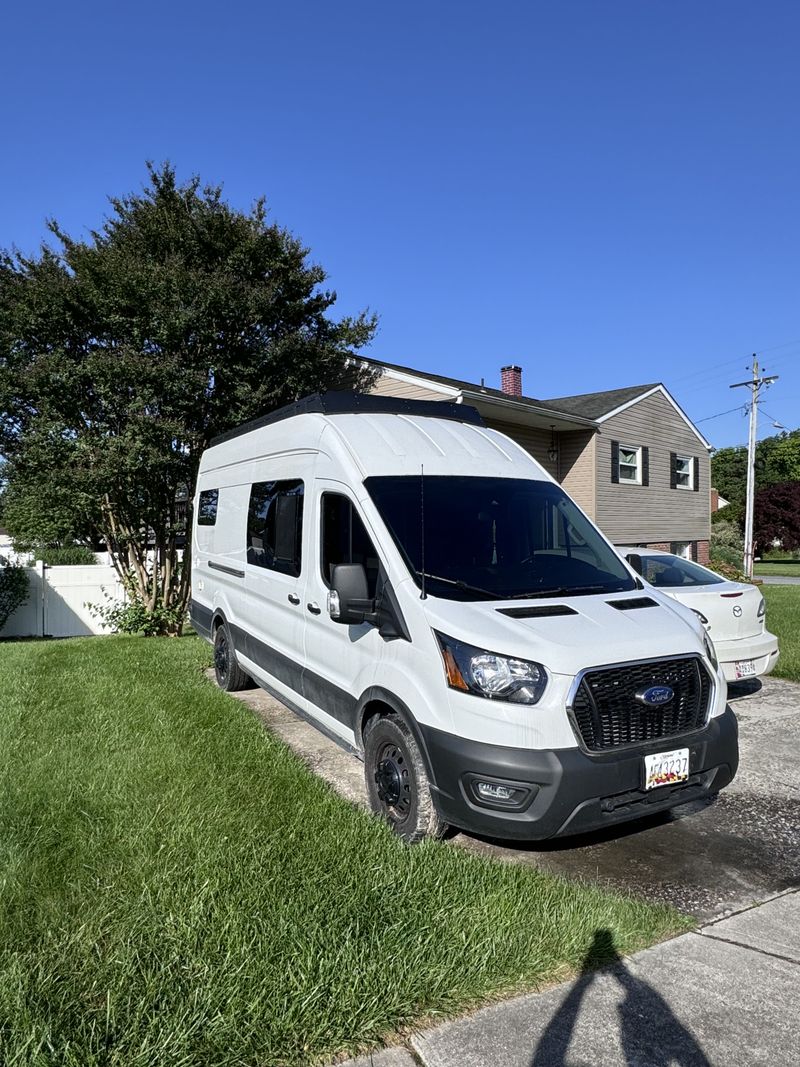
pixel 666 768
pixel 745 668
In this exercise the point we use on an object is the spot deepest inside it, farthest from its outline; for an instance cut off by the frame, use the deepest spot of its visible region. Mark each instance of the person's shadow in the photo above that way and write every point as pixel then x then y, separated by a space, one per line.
pixel 649 1032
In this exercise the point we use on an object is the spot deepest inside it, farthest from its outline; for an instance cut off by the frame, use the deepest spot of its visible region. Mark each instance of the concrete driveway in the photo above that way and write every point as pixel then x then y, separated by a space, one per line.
pixel 708 859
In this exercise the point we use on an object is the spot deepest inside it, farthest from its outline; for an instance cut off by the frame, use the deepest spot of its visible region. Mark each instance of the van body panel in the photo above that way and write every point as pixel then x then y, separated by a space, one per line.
pixel 285 638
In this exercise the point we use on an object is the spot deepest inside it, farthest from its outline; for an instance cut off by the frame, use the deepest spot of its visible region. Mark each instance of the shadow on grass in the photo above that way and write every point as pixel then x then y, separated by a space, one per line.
pixel 649 1031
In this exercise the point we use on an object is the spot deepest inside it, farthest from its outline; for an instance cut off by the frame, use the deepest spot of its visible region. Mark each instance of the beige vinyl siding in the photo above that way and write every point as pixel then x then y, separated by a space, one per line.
pixel 638 514
pixel 576 467
pixel 388 386
pixel 533 440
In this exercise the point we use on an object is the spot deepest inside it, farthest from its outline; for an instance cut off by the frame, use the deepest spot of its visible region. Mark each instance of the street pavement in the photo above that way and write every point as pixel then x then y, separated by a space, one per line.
pixel 775 580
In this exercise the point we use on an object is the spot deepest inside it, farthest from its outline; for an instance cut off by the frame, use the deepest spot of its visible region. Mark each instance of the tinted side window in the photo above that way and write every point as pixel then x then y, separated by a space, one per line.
pixel 275 526
pixel 345 539
pixel 207 507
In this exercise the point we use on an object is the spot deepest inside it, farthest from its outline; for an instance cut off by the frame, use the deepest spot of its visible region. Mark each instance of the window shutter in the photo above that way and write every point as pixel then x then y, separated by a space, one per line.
pixel 694 551
pixel 696 485
pixel 673 470
pixel 645 466
pixel 615 461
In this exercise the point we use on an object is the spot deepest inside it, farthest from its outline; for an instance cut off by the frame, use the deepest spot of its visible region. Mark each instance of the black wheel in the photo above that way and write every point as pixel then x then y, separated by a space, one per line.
pixel 397 782
pixel 230 675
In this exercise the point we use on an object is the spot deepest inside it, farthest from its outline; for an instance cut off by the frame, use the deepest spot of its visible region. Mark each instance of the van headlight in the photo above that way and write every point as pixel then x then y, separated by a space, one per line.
pixel 487 674
pixel 711 652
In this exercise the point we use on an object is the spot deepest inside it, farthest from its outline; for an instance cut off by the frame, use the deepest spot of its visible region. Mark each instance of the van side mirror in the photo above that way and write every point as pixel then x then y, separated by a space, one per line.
pixel 348 600
pixel 635 561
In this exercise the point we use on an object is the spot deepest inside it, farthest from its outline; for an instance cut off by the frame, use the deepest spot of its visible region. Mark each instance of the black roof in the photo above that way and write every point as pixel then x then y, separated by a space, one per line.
pixel 589 406
pixel 349 403
pixel 593 405
pixel 472 387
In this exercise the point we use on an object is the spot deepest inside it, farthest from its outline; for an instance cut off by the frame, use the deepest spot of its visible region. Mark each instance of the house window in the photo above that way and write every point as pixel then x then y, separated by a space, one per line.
pixel 684 549
pixel 630 464
pixel 207 507
pixel 275 526
pixel 684 472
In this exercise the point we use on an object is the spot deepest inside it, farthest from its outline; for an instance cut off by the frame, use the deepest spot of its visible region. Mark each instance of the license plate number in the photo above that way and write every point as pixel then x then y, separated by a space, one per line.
pixel 745 668
pixel 666 768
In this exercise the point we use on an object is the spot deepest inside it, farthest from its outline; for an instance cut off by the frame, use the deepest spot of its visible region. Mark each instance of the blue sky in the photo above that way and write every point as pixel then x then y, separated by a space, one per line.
pixel 603 192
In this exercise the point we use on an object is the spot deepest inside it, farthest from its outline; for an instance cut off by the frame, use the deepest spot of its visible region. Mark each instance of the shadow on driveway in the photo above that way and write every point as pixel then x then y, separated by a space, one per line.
pixel 649 1031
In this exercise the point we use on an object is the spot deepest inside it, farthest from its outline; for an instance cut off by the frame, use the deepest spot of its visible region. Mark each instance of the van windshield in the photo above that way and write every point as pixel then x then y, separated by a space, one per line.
pixel 496 538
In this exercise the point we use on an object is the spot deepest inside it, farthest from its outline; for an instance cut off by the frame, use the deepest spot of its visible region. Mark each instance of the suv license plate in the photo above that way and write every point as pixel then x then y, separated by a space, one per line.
pixel 745 668
pixel 666 768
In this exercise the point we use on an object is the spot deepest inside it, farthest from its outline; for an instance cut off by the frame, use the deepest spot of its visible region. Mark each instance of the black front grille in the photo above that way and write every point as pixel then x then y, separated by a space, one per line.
pixel 609 715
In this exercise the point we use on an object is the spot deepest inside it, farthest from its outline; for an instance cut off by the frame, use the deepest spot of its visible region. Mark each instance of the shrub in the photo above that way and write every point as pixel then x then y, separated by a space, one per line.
pixel 66 556
pixel 719 554
pixel 13 589
pixel 132 616
pixel 726 534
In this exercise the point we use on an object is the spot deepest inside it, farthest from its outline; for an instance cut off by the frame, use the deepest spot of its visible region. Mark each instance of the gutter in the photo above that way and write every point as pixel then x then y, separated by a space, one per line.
pixel 469 396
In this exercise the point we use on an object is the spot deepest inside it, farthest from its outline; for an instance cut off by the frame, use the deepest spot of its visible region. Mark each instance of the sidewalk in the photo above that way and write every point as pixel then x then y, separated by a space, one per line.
pixel 727 994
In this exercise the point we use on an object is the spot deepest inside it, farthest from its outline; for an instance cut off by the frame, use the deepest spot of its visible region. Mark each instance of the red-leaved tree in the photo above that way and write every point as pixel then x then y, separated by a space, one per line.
pixel 777 516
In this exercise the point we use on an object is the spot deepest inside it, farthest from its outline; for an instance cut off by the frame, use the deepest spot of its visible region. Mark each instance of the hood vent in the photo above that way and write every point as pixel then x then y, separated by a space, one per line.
pixel 632 603
pixel 537 611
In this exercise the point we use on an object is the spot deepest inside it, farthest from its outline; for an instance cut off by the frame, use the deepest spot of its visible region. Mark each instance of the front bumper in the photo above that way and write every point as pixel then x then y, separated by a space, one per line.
pixel 568 791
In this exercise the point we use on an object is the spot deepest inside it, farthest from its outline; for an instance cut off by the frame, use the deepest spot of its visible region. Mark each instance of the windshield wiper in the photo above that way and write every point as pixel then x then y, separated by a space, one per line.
pixel 459 584
pixel 561 590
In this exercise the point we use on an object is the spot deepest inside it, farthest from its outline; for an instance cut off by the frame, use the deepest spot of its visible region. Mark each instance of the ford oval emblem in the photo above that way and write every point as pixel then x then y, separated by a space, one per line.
pixel 655 695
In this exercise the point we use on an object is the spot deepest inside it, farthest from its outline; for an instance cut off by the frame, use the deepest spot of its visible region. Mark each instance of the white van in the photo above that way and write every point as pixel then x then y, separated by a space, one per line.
pixel 424 592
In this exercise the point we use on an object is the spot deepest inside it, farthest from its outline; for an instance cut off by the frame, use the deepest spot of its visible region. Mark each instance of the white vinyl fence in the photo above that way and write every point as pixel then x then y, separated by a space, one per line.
pixel 57 599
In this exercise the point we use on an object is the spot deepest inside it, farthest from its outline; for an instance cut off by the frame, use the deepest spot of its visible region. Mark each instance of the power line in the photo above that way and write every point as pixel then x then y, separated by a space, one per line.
pixel 708 418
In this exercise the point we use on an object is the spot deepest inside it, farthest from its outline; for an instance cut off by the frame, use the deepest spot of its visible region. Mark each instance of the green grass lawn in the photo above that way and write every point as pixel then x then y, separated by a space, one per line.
pixel 783 619
pixel 778 570
pixel 177 889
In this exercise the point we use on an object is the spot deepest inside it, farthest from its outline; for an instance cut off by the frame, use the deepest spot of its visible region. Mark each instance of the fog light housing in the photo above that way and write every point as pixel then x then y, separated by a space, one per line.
pixel 496 793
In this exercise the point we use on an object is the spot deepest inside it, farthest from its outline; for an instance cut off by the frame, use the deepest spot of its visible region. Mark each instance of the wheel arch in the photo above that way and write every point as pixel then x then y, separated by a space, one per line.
pixel 375 702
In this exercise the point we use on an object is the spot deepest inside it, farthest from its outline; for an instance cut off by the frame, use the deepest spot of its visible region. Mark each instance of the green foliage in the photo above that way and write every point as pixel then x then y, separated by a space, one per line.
pixel 122 355
pixel 133 616
pixel 179 890
pixel 777 460
pixel 777 516
pixel 66 556
pixel 726 534
pixel 13 589
pixel 729 565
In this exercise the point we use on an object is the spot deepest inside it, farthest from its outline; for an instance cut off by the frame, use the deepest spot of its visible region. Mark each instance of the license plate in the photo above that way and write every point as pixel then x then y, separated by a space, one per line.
pixel 666 768
pixel 745 668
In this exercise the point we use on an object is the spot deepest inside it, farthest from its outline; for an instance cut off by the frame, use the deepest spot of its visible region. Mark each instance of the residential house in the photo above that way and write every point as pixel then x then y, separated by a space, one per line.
pixel 630 457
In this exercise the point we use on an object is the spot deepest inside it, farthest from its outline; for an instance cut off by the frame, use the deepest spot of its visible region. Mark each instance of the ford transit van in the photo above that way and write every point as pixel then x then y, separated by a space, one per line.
pixel 418 586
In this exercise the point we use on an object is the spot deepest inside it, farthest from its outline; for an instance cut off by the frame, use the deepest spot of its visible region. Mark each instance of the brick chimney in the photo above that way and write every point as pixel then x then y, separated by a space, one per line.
pixel 511 380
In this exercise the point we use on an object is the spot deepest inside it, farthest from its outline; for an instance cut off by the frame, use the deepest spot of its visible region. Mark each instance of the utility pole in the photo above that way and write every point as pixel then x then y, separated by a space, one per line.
pixel 754 385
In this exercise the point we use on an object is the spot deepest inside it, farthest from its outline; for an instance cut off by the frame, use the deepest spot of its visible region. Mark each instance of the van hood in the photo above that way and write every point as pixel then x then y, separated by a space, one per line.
pixel 589 631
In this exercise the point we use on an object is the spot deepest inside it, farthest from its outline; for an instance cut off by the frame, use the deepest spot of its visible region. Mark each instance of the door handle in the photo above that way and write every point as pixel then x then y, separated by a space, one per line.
pixel 293 598
pixel 315 609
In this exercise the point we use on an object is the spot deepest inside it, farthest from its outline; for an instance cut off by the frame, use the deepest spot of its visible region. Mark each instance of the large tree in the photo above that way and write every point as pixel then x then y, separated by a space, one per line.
pixel 123 354
pixel 777 461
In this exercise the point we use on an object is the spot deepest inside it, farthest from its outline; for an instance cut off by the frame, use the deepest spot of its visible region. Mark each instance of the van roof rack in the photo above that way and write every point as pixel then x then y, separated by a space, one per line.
pixel 345 402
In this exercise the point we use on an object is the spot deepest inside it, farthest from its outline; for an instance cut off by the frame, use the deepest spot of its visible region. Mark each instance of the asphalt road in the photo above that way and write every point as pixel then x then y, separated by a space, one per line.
pixel 708 859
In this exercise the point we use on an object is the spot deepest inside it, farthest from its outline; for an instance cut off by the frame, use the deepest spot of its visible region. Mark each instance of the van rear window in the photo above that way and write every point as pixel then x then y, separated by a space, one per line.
pixel 207 507
pixel 275 526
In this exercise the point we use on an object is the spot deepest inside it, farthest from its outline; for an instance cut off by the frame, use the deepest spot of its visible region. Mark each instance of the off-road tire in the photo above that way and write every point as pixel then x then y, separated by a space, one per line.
pixel 229 674
pixel 398 786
